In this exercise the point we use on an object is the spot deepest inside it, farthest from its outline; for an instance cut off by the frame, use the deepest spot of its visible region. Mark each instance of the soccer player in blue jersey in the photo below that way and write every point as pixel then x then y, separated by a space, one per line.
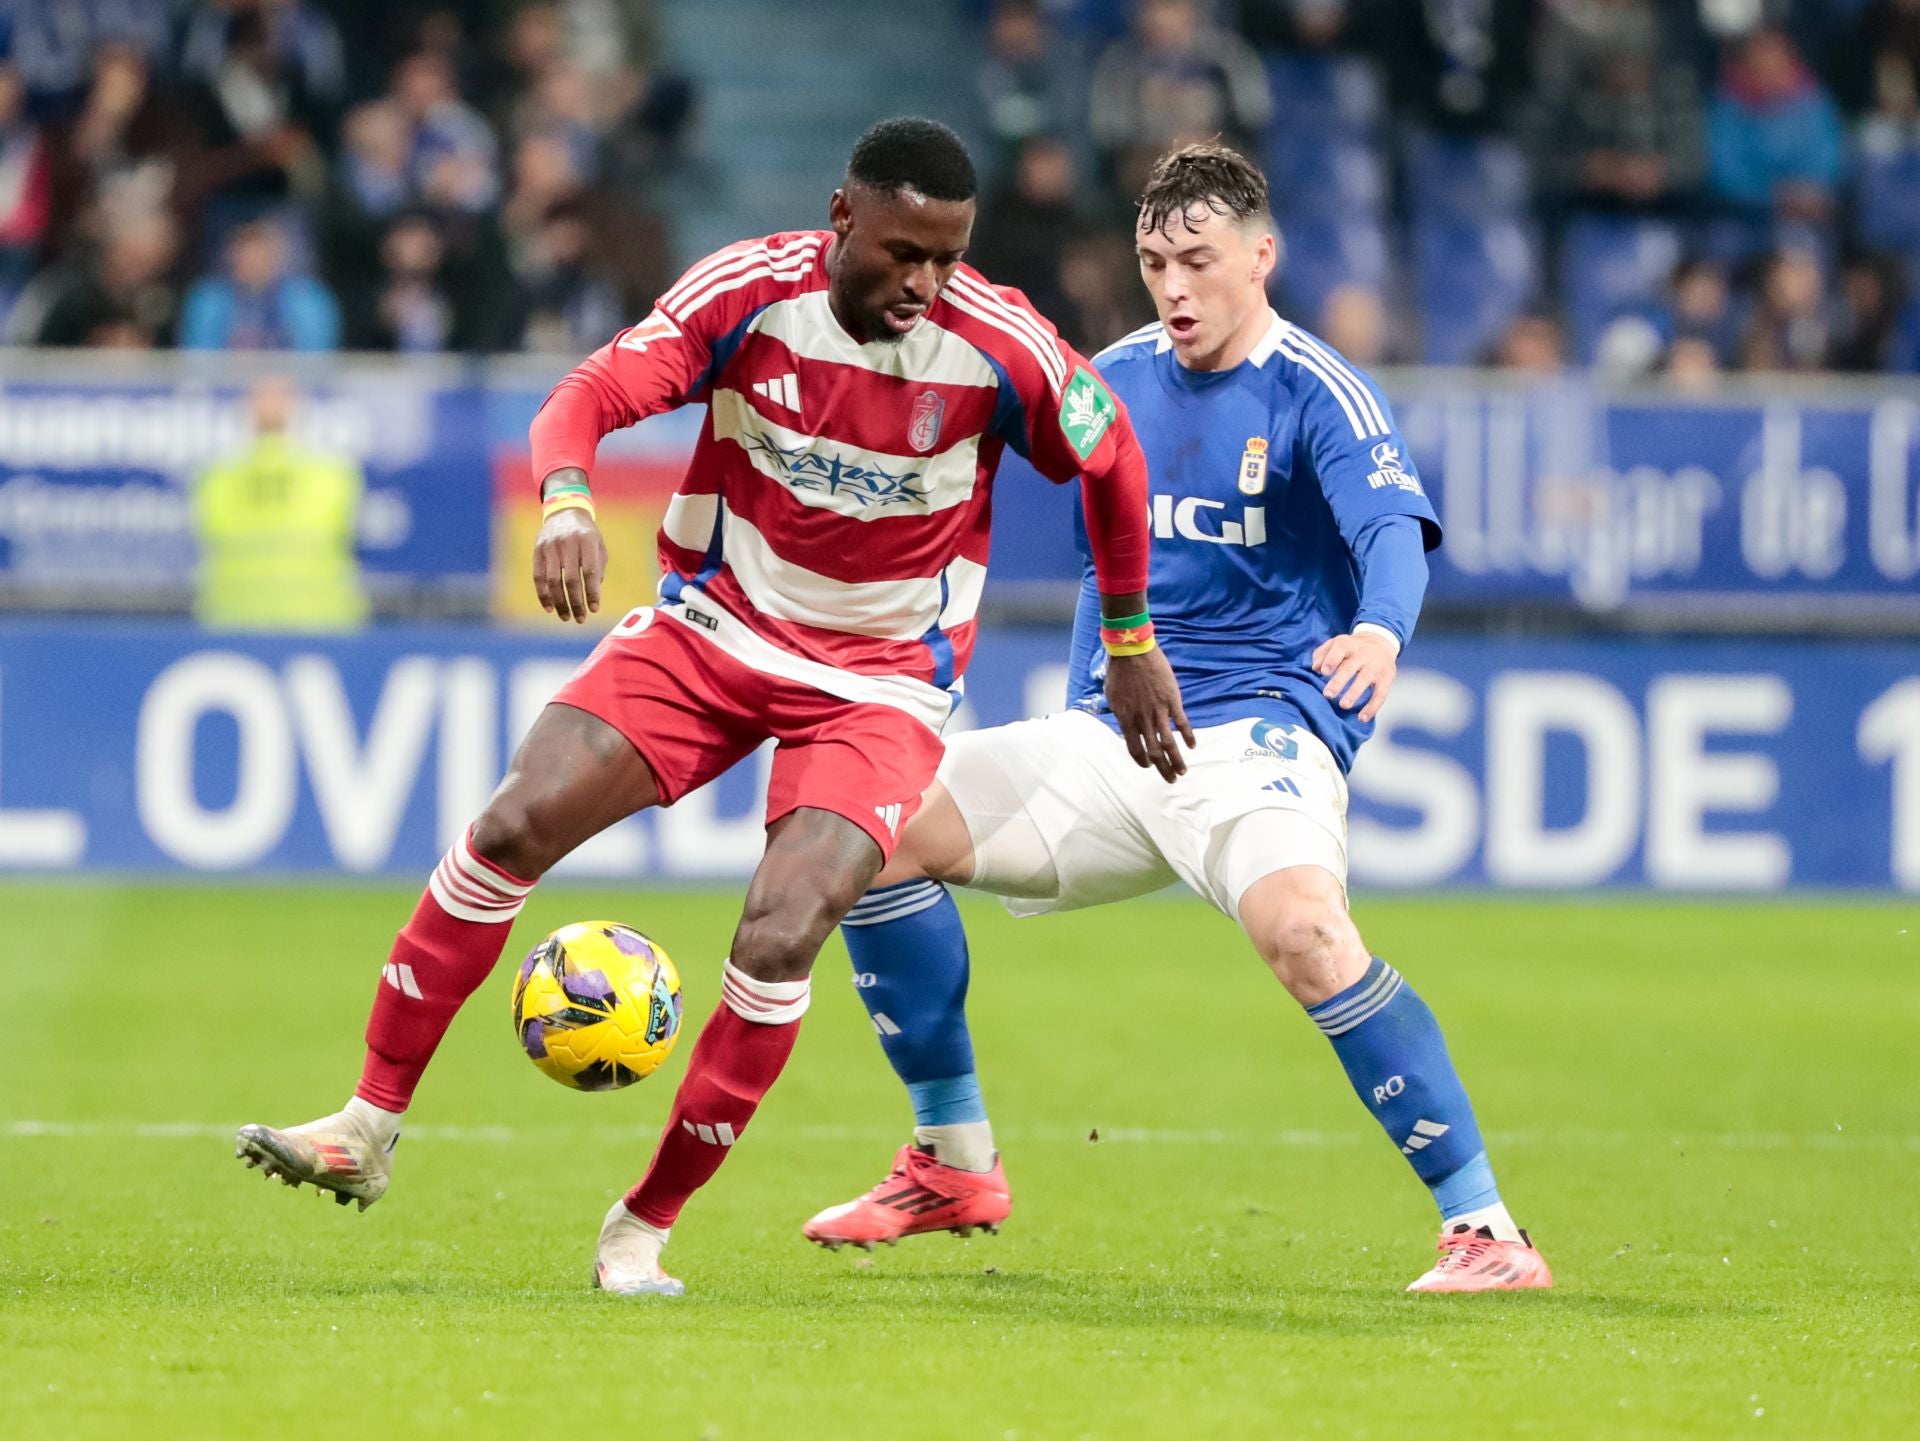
pixel 1288 567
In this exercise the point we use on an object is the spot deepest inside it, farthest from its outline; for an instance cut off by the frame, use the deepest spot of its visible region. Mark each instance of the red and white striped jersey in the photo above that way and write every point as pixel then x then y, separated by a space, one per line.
pixel 832 526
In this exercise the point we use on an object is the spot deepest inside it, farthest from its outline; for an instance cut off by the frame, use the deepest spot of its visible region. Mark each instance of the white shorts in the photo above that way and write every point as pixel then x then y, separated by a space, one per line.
pixel 1062 818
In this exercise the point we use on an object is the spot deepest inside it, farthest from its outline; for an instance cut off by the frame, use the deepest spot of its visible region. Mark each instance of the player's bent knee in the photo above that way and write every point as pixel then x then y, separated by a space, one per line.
pixel 523 836
pixel 780 944
pixel 1314 954
pixel 1300 926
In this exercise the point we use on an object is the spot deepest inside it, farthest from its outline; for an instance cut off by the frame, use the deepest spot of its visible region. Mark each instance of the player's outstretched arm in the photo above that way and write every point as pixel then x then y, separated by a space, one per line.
pixel 1141 690
pixel 1076 427
pixel 569 556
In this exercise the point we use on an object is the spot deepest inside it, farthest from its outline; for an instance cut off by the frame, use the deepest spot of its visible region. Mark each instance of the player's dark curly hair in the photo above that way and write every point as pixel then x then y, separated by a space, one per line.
pixel 1221 179
pixel 910 153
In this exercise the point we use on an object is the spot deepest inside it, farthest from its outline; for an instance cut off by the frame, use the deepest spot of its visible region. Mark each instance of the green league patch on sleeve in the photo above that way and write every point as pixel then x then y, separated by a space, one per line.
pixel 1087 408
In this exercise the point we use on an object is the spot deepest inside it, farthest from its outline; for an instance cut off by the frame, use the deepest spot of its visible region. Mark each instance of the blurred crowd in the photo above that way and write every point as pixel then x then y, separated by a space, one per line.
pixel 281 174
pixel 1685 187
pixel 1677 186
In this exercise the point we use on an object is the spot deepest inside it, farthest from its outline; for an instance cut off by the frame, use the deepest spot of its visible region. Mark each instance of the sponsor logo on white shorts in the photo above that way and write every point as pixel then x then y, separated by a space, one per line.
pixel 1273 741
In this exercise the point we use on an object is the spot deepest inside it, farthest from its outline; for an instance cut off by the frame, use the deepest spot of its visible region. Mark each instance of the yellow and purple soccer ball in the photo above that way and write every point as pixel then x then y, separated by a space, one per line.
pixel 596 1005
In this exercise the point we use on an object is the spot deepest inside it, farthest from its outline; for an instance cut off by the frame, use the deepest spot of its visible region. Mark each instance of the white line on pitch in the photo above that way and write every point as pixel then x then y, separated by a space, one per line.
pixel 1033 1135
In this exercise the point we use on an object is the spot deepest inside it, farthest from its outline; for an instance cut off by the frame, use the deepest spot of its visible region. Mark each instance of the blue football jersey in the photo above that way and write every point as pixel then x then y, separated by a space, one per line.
pixel 1261 478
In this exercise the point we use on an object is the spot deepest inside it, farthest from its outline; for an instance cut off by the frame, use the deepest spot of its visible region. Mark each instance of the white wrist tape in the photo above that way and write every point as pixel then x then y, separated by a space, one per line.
pixel 1373 629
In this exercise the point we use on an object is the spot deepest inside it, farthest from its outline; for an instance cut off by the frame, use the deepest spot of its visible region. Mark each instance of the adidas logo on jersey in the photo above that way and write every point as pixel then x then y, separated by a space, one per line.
pixel 782 390
pixel 890 817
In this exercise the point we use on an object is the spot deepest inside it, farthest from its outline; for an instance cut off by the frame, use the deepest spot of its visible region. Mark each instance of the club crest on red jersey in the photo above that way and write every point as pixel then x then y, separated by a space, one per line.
pixel 924 431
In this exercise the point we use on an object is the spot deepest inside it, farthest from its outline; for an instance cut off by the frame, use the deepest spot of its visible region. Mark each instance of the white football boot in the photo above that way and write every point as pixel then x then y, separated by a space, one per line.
pixel 337 1153
pixel 627 1260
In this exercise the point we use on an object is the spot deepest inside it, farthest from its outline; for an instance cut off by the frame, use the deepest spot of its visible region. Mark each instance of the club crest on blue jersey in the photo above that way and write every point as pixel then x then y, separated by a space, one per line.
pixel 1253 466
pixel 924 432
pixel 1388 470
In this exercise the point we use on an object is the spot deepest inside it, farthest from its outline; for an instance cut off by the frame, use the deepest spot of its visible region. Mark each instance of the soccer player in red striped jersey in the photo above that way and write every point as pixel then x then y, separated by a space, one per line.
pixel 823 563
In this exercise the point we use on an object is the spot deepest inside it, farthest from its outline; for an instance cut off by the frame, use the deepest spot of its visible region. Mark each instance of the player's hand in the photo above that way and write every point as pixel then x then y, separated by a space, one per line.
pixel 569 559
pixel 1357 664
pixel 1145 699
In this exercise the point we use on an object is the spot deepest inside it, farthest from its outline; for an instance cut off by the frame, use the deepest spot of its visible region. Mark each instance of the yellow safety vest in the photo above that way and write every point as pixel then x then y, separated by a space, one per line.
pixel 276 529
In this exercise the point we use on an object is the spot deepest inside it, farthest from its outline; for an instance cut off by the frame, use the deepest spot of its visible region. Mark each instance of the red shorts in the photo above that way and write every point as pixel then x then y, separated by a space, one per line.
pixel 692 710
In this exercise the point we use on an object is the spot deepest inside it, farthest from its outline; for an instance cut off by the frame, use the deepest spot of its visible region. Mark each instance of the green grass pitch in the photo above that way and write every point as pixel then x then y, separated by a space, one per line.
pixel 1704 1112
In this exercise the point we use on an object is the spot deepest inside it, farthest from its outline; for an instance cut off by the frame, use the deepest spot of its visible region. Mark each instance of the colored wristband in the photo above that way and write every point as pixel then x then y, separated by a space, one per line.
pixel 1135 638
pixel 569 498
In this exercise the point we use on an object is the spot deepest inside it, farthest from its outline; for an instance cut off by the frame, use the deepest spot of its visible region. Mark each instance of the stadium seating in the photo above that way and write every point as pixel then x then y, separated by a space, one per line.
pixel 1471 279
pixel 1610 266
pixel 1319 172
pixel 1343 94
pixel 1324 158
pixel 1464 177
pixel 1323 253
pixel 779 143
pixel 1889 200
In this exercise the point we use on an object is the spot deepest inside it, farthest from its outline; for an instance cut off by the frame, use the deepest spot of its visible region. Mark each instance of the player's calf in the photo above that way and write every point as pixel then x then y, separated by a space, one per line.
pixel 816 864
pixel 911 969
pixel 1386 1038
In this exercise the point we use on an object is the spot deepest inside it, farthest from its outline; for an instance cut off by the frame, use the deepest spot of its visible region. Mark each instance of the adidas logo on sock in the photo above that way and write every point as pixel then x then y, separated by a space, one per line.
pixel 399 975
pixel 720 1135
pixel 1425 1133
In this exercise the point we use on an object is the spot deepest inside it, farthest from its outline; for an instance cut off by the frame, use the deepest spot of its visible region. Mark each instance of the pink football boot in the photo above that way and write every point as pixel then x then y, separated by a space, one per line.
pixel 1472 1260
pixel 920 1196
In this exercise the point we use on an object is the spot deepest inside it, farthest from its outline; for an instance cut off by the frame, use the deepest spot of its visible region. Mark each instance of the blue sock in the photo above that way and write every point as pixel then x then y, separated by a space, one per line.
pixel 1397 1060
pixel 910 965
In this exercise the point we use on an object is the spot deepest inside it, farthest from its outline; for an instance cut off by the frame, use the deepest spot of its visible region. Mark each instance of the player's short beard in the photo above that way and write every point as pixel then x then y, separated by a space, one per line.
pixel 878 331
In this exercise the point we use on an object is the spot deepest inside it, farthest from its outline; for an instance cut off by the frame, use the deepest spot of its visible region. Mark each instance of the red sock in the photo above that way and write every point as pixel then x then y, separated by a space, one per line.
pixel 439 959
pixel 740 1054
